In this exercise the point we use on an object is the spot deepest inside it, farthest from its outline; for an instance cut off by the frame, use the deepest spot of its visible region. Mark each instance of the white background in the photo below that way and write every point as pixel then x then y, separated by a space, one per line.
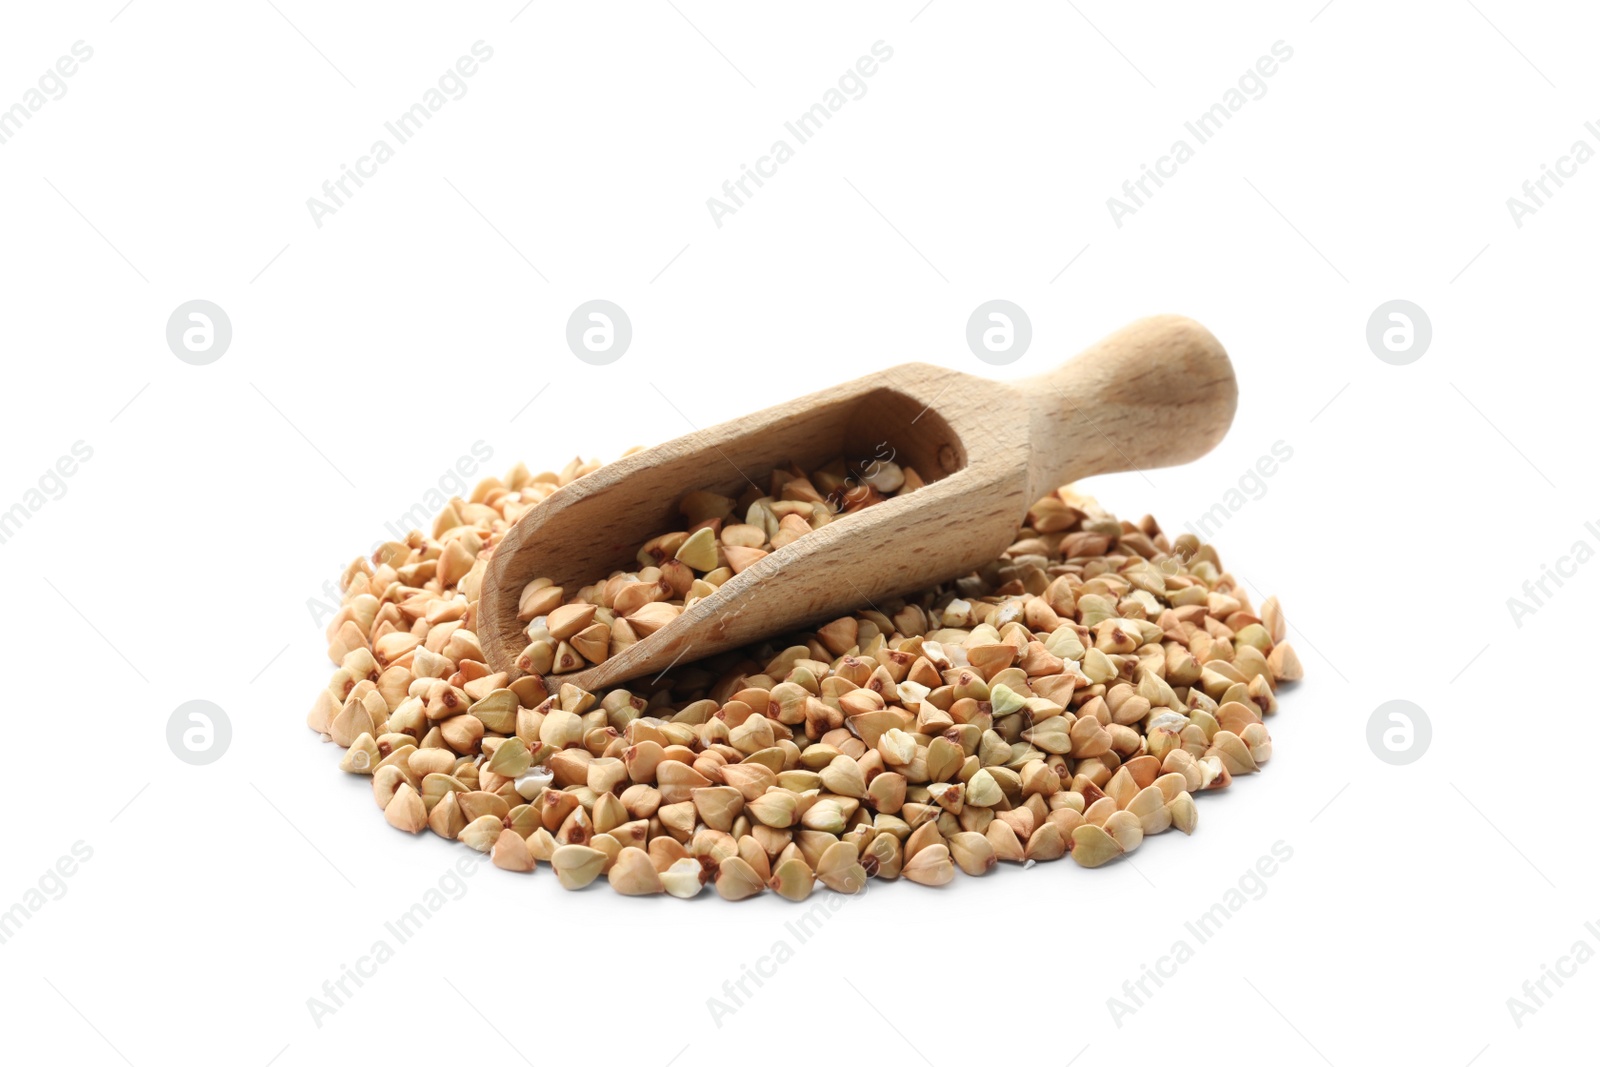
pixel 369 354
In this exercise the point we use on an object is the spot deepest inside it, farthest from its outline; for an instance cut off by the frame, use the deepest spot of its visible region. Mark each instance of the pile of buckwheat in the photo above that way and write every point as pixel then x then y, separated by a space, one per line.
pixel 1069 697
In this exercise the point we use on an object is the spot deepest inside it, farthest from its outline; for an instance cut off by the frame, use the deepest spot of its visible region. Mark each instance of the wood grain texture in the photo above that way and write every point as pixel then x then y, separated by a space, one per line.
pixel 1156 393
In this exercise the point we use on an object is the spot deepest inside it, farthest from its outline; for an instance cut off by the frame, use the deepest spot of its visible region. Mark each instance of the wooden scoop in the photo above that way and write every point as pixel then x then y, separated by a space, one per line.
pixel 1157 393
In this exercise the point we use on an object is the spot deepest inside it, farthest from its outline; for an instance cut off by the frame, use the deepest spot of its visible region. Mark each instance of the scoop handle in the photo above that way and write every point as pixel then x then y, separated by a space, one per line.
pixel 1156 393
